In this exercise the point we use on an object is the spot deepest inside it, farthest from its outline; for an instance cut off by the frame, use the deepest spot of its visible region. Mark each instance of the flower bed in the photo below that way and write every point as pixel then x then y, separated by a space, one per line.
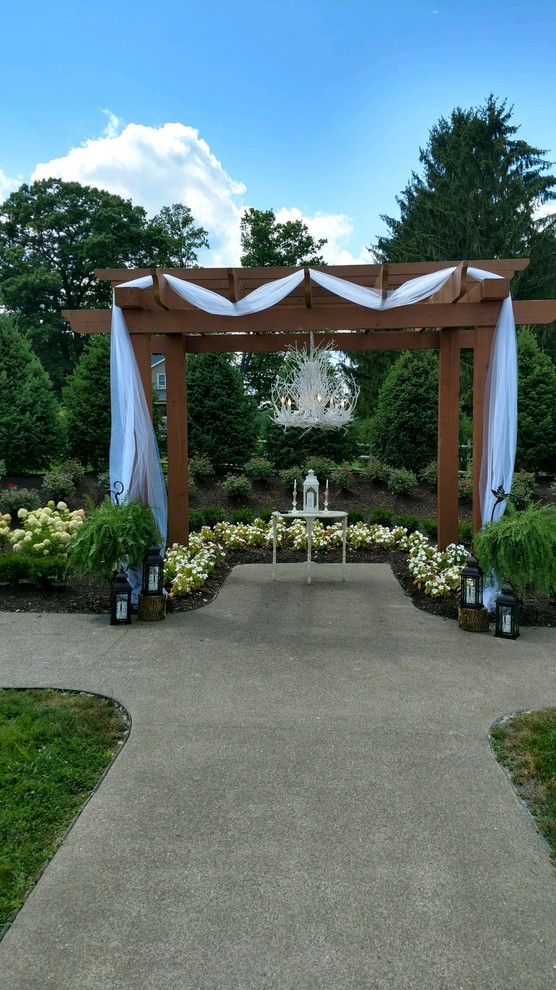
pixel 435 572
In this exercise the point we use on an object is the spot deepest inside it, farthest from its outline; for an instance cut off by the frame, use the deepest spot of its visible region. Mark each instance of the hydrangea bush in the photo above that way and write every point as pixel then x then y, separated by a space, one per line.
pixel 39 547
pixel 46 531
pixel 5 520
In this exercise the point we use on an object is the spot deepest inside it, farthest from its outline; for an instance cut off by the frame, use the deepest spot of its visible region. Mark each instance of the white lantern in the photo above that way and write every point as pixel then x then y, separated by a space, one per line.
pixel 311 492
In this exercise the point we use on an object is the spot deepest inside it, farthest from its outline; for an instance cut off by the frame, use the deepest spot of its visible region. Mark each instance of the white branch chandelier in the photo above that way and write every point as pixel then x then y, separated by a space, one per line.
pixel 312 392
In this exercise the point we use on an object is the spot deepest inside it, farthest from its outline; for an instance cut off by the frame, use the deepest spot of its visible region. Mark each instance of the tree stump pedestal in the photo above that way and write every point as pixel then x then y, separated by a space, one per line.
pixel 151 608
pixel 473 619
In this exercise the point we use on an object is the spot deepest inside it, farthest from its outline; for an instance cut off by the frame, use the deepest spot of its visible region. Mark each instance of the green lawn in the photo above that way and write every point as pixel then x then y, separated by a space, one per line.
pixel 526 745
pixel 54 747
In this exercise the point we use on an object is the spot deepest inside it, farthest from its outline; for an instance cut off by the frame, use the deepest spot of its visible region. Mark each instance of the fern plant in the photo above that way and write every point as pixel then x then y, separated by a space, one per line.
pixel 521 547
pixel 111 535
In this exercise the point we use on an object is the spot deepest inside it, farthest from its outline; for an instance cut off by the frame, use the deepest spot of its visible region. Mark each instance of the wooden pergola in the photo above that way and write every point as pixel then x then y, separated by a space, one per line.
pixel 463 314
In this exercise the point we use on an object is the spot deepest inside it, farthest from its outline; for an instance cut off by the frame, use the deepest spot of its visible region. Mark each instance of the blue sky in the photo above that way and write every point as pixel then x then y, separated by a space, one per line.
pixel 313 108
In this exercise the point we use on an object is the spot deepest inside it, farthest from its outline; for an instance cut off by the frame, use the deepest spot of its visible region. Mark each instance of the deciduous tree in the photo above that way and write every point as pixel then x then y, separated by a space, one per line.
pixel 54 234
pixel 176 239
pixel 267 243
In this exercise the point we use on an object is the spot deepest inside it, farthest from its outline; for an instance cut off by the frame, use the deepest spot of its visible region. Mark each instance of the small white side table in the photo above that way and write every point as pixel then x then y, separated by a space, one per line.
pixel 309 517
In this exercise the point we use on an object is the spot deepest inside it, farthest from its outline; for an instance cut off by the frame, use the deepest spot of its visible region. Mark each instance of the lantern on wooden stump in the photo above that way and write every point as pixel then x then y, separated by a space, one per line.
pixel 153 572
pixel 152 601
pixel 471 584
pixel 311 492
pixel 507 612
pixel 120 600
pixel 472 615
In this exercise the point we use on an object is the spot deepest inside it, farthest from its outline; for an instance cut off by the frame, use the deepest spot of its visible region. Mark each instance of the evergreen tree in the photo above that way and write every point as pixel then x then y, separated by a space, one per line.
pixel 221 417
pixel 478 193
pixel 87 403
pixel 291 447
pixel 369 369
pixel 32 433
pixel 404 429
pixel 536 419
pixel 478 197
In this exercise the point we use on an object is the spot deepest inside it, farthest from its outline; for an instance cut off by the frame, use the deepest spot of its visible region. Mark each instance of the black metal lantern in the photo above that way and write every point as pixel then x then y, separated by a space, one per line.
pixel 507 612
pixel 471 595
pixel 153 572
pixel 120 600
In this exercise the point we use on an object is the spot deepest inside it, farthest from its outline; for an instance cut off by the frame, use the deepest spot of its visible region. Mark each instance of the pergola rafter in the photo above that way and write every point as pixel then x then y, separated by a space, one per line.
pixel 462 314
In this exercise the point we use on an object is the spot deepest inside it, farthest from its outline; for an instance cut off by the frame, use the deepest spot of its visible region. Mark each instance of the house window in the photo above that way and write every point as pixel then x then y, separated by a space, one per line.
pixel 161 381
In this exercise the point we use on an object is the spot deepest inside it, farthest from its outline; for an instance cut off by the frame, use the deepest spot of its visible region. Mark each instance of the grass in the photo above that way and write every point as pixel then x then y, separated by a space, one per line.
pixel 54 747
pixel 526 745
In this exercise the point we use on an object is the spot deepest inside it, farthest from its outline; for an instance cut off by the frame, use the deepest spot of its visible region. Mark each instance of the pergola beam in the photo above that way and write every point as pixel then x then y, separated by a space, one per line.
pixel 212 278
pixel 283 319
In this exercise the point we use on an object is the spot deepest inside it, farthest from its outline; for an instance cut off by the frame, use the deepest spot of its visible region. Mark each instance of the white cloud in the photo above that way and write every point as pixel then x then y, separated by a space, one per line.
pixel 544 211
pixel 157 166
pixel 7 185
pixel 337 228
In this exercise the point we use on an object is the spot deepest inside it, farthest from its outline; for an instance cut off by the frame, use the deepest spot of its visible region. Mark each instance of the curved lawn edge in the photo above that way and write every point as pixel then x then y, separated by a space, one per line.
pixel 47 836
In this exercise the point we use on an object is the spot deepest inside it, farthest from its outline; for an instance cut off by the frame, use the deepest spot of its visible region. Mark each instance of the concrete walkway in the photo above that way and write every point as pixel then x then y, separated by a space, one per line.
pixel 307 800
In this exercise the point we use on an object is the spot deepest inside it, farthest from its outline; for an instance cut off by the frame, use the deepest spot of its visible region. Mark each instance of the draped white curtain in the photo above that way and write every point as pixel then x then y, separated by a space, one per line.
pixel 412 291
pixel 261 298
pixel 134 456
pixel 133 453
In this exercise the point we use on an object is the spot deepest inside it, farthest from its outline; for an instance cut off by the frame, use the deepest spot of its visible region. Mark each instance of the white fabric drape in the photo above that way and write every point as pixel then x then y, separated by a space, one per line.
pixel 500 413
pixel 134 456
pixel 262 298
pixel 500 440
pixel 412 291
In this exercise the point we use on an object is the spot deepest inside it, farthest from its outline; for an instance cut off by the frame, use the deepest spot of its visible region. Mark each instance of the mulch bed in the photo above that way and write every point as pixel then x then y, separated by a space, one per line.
pixel 84 597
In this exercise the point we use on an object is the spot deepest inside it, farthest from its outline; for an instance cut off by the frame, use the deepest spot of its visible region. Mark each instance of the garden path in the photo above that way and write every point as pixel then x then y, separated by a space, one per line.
pixel 307 798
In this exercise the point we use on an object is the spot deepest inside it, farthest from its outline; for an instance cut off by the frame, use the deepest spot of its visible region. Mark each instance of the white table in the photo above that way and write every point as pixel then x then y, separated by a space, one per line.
pixel 310 518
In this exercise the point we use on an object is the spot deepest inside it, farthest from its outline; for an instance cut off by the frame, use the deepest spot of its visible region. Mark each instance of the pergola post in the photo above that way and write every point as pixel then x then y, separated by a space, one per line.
pixel 176 425
pixel 448 436
pixel 481 359
pixel 141 343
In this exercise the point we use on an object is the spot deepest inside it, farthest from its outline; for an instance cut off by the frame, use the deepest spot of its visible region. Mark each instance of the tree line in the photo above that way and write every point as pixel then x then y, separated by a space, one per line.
pixel 480 193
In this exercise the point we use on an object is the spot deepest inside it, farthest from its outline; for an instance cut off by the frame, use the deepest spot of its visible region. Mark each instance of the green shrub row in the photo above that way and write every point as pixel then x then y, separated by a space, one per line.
pixel 44 571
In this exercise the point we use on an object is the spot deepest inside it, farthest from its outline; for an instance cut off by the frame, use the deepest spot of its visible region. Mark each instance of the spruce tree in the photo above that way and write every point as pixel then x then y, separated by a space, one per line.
pixel 536 401
pixel 477 195
pixel 221 417
pixel 32 434
pixel 404 429
pixel 87 404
